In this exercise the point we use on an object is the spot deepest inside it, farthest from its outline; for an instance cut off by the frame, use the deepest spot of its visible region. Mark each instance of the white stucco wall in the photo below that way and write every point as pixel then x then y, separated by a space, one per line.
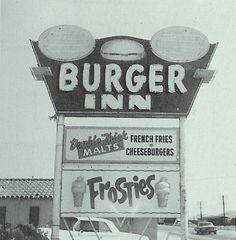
pixel 17 210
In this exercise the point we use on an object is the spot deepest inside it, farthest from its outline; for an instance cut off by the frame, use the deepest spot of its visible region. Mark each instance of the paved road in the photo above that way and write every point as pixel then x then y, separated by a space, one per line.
pixel 175 235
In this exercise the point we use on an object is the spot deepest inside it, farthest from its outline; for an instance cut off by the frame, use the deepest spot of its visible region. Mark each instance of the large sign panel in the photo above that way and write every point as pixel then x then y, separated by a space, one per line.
pixel 122 145
pixel 122 75
pixel 114 193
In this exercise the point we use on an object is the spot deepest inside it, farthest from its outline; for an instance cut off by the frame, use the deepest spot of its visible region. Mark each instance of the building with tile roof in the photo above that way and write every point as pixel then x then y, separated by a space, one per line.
pixel 24 201
pixel 26 188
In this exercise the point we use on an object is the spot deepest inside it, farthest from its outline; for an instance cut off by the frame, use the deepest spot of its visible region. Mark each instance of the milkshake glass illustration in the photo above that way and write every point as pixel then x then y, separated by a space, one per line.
pixel 162 190
pixel 78 189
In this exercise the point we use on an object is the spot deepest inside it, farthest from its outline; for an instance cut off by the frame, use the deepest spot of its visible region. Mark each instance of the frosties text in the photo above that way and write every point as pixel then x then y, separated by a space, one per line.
pixel 121 191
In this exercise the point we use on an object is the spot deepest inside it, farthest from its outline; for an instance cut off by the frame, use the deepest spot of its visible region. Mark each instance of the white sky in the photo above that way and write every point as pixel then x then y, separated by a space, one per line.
pixel 27 140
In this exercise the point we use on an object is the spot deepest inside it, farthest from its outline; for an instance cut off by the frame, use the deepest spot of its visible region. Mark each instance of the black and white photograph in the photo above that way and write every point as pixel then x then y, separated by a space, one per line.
pixel 118 120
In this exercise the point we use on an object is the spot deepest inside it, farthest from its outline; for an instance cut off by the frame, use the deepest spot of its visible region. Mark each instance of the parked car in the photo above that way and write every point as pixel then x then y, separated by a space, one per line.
pixel 205 227
pixel 82 229
pixel 178 223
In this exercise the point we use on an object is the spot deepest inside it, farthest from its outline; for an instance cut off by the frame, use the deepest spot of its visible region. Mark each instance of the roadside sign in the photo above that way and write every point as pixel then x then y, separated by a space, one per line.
pixel 123 192
pixel 121 145
pixel 122 75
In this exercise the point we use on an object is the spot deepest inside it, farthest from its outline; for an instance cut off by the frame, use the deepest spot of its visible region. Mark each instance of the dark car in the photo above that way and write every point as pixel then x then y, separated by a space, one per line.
pixel 205 227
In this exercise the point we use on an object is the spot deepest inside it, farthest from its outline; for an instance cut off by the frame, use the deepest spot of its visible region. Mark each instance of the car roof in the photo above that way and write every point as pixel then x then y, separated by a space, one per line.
pixel 205 222
pixel 108 222
pixel 86 218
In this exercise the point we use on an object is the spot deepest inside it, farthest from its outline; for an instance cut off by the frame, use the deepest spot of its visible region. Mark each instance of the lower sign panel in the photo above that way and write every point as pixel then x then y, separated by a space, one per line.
pixel 120 193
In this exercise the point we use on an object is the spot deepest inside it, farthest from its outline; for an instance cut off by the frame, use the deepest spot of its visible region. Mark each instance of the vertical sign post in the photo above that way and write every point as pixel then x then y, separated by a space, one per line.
pixel 183 208
pixel 57 178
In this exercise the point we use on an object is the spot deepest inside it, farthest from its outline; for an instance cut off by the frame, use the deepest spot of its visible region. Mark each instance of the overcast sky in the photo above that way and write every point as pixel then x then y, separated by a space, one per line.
pixel 27 142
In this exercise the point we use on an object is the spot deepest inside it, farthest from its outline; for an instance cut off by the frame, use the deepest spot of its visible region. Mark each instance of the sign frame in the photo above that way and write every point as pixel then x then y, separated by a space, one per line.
pixel 161 213
pixel 116 161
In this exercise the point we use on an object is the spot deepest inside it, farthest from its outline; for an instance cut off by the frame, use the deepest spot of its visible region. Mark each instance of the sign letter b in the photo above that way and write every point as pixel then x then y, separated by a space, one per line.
pixel 68 77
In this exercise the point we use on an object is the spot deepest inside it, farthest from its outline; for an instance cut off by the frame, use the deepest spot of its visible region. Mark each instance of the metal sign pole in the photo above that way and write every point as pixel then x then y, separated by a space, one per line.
pixel 57 178
pixel 183 208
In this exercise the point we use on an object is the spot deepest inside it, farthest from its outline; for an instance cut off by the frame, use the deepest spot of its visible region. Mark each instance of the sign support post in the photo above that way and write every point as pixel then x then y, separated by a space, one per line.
pixel 183 208
pixel 57 178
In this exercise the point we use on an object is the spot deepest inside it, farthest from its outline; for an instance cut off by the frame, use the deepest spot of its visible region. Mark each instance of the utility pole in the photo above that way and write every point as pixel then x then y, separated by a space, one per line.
pixel 201 211
pixel 223 202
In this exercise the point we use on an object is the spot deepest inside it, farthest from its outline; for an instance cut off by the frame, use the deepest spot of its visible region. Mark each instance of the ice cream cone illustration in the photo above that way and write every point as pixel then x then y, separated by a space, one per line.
pixel 78 189
pixel 162 190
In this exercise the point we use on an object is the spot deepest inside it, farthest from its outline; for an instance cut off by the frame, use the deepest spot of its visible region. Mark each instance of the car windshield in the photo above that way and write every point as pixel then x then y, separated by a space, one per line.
pixel 86 226
pixel 205 224
pixel 69 221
